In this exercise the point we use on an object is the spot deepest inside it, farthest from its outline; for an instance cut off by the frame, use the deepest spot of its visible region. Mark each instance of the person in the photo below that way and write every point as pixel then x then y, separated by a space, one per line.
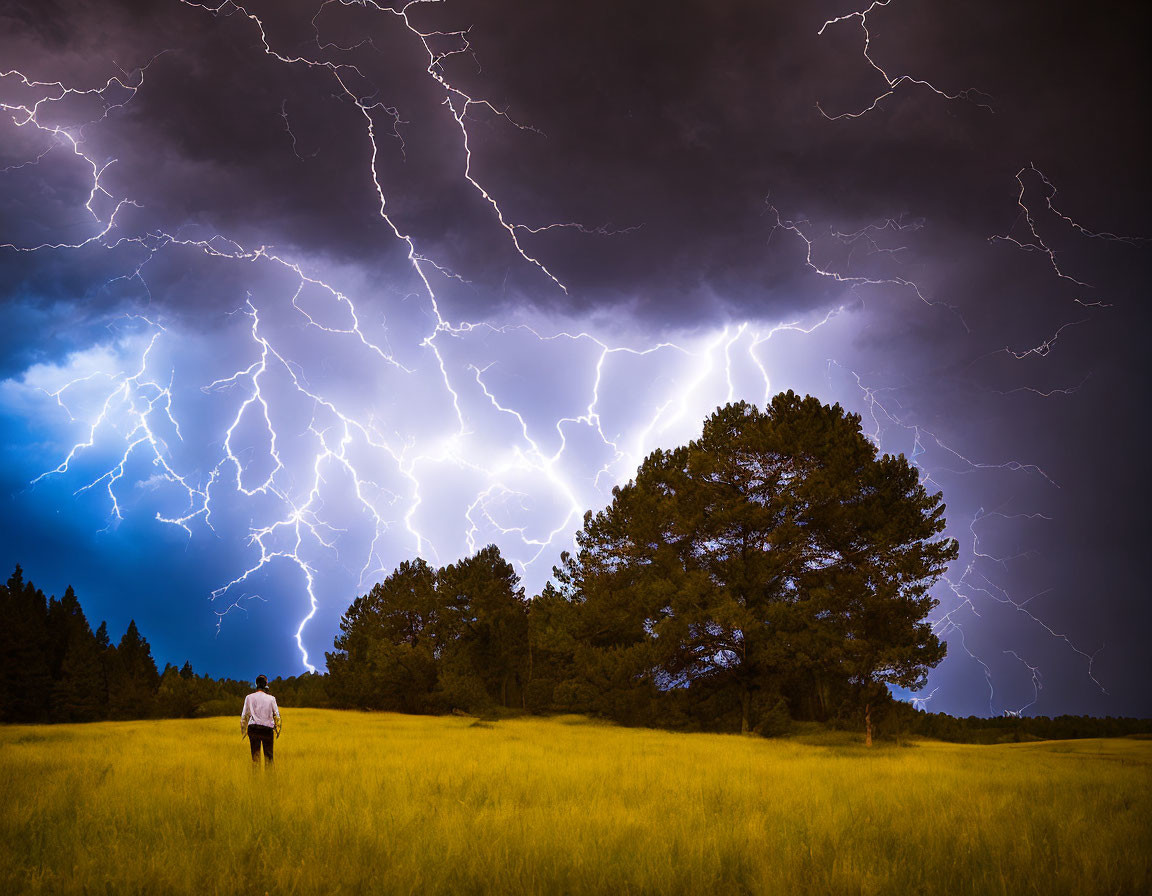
pixel 260 719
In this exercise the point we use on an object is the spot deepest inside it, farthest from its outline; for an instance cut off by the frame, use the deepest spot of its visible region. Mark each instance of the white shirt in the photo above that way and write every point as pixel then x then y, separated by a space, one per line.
pixel 260 709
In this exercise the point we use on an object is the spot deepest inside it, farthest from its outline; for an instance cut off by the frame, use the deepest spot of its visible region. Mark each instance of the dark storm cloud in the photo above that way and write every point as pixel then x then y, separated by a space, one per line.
pixel 679 121
pixel 672 126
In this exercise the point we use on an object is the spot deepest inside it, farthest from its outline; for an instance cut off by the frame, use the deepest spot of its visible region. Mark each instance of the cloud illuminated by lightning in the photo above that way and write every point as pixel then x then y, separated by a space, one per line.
pixel 315 465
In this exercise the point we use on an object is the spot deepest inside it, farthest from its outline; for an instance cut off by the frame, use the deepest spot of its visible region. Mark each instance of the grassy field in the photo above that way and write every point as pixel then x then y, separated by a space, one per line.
pixel 400 804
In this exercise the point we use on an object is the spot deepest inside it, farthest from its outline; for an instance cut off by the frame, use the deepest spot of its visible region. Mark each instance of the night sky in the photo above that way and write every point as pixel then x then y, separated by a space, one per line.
pixel 317 287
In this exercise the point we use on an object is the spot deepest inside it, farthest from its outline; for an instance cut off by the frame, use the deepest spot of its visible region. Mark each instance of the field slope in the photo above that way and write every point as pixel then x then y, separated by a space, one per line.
pixel 399 804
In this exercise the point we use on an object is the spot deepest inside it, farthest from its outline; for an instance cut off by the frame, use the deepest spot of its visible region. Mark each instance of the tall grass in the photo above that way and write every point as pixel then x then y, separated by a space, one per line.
pixel 399 804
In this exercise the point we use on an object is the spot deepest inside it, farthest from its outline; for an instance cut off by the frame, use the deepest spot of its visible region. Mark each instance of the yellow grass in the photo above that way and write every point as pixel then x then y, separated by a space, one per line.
pixel 399 804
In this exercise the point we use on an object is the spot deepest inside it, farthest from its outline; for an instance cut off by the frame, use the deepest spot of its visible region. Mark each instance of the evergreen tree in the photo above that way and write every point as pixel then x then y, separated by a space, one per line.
pixel 79 694
pixel 385 656
pixel 7 641
pixel 106 654
pixel 489 623
pixel 25 664
pixel 425 640
pixel 551 648
pixel 176 698
pixel 776 544
pixel 134 681
pixel 78 688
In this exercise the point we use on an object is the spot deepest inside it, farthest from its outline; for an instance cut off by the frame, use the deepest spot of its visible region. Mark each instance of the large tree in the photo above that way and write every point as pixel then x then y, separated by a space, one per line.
pixel 425 639
pixel 78 692
pixel 489 623
pixel 777 543
pixel 25 652
pixel 385 656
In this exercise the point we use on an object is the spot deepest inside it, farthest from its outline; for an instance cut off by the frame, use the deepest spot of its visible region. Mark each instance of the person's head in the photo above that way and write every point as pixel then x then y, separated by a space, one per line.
pixel 262 682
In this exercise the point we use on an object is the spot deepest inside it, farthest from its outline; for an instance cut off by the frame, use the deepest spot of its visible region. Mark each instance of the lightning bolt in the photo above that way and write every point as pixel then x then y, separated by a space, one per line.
pixel 867 237
pixel 1024 235
pixel 892 82
pixel 972 583
pixel 316 439
pixel 334 429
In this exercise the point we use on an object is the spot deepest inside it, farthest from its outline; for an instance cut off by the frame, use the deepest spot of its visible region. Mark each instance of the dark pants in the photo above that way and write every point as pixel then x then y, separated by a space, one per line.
pixel 261 736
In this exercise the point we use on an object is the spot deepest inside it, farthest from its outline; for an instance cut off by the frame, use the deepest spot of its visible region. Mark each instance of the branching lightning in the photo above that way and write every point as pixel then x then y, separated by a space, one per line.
pixel 893 82
pixel 865 236
pixel 141 396
pixel 1024 235
pixel 390 473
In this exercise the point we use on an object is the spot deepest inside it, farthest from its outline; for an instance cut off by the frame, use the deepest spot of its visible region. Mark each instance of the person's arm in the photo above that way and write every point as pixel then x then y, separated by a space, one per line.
pixel 245 713
pixel 276 716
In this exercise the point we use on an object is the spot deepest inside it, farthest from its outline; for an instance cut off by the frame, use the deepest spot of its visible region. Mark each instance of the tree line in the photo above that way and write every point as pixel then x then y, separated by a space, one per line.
pixel 905 720
pixel 774 571
pixel 99 685
pixel 55 668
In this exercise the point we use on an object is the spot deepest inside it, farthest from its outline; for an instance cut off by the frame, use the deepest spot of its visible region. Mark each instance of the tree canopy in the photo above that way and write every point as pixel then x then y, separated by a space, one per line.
pixel 777 553
pixel 426 640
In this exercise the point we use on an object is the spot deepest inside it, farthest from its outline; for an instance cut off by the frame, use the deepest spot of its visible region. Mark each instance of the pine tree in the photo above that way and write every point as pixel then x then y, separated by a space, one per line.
pixel 385 656
pixel 134 679
pixel 106 655
pixel 489 621
pixel 78 688
pixel 176 697
pixel 79 694
pixel 25 672
pixel 776 544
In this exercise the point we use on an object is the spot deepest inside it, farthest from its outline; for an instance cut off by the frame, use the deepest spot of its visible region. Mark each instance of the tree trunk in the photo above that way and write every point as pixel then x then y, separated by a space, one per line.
pixel 746 710
pixel 504 691
pixel 868 724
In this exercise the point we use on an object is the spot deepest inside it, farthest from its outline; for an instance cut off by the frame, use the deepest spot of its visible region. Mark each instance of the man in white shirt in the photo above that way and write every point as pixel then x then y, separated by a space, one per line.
pixel 260 719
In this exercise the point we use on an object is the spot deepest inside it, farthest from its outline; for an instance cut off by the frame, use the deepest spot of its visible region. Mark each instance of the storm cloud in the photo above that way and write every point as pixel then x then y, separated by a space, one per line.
pixel 690 175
